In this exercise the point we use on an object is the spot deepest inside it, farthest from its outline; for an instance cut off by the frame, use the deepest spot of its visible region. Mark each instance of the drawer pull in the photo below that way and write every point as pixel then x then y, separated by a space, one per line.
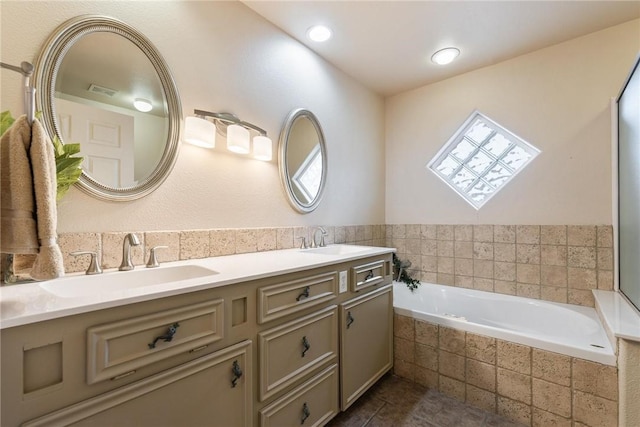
pixel 350 319
pixel 237 373
pixel 369 276
pixel 305 413
pixel 305 345
pixel 166 337
pixel 304 294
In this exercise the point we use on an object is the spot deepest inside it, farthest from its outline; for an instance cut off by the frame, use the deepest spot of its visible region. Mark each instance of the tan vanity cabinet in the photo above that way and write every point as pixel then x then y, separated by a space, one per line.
pixel 213 390
pixel 366 342
pixel 370 273
pixel 313 403
pixel 292 351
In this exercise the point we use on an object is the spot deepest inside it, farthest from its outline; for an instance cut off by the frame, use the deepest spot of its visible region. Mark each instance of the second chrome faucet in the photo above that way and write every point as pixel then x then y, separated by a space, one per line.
pixel 129 240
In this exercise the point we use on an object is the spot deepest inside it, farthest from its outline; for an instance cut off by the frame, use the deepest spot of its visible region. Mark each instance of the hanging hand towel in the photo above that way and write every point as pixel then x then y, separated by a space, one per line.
pixel 49 263
pixel 18 233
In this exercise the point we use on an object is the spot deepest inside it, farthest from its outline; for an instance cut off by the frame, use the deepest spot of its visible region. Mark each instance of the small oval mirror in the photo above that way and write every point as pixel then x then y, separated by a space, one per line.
pixel 102 84
pixel 302 158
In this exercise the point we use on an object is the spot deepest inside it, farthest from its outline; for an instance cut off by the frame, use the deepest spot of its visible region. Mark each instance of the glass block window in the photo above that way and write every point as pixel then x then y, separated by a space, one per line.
pixel 481 158
pixel 308 177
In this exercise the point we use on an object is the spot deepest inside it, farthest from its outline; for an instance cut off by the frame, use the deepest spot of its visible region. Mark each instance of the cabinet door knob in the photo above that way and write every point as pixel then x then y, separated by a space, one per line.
pixel 305 413
pixel 350 319
pixel 305 345
pixel 237 373
pixel 304 294
pixel 166 337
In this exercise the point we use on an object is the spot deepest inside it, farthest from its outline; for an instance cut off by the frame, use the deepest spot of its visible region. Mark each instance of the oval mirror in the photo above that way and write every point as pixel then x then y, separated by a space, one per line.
pixel 102 84
pixel 302 158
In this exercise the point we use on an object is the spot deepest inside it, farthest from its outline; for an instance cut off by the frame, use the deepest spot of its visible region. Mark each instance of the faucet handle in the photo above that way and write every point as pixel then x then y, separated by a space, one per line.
pixel 94 264
pixel 153 260
pixel 303 242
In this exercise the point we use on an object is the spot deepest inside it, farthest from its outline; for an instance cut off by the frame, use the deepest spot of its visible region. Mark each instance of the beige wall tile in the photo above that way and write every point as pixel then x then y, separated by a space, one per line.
pixel 463 249
pixel 399 231
pixel 553 235
pixel 429 263
pixel 483 284
pixel 504 271
pixel 482 375
pixel 444 232
pixel 580 297
pixel 428 231
pixel 605 258
pixel 284 238
pixel 445 248
pixel 604 236
pixel 528 273
pixel 480 398
pixel 595 378
pixel 552 293
pixel 112 244
pixel 429 277
pixel 514 411
pixel 399 244
pixel 463 267
pixel 527 254
pixel 551 397
pixel 403 327
pixel 528 290
pixel 412 231
pixel 429 247
pixel 594 411
pixel 553 275
pixel 483 268
pixel 426 377
pixel 463 233
pixel 581 256
pixel 445 279
pixel 404 369
pixel 514 385
pixel 246 240
pixel 426 357
pixel 72 242
pixel 542 418
pixel 404 349
pixel 483 233
pixel 341 235
pixel 483 250
pixel 504 287
pixel 445 265
pixel 426 333
pixel 171 239
pixel 481 348
pixel 223 242
pixel 360 233
pixel 582 278
pixel 452 340
pixel 581 235
pixel 351 234
pixel 553 255
pixel 605 280
pixel 505 252
pixel 504 233
pixel 464 282
pixel 452 387
pixel 299 232
pixel 451 365
pixel 514 356
pixel 413 246
pixel 266 239
pixel 528 234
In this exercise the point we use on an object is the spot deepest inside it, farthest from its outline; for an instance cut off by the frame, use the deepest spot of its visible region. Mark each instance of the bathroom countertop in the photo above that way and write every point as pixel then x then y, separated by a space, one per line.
pixel 27 303
pixel 620 317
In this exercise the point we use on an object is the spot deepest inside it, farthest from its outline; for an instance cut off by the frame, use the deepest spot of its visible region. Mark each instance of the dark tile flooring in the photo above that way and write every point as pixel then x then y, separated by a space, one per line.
pixel 396 402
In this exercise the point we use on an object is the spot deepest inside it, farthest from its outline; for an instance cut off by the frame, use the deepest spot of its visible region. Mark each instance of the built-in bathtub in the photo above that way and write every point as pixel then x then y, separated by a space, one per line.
pixel 561 328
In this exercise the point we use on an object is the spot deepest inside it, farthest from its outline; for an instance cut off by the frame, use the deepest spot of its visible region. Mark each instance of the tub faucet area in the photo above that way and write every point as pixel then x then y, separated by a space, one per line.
pixel 130 239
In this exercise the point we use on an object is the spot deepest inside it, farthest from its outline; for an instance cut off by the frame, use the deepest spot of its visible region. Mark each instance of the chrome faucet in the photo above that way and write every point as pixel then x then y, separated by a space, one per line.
pixel 129 240
pixel 323 233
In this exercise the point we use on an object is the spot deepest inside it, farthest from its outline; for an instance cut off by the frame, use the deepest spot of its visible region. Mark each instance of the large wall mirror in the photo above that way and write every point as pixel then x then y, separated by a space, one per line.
pixel 302 158
pixel 102 84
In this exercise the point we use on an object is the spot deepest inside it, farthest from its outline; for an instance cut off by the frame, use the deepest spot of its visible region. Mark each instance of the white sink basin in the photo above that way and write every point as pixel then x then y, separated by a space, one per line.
pixel 80 286
pixel 337 250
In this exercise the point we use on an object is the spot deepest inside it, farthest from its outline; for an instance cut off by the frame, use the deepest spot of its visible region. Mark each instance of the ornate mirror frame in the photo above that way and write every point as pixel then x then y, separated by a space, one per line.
pixel 46 73
pixel 286 175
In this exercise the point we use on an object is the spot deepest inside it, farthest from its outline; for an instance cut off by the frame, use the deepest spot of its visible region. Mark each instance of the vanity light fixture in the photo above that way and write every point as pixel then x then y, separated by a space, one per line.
pixel 319 33
pixel 445 56
pixel 237 132
pixel 142 105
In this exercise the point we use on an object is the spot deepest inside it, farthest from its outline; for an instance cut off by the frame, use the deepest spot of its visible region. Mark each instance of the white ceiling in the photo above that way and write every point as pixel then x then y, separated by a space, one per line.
pixel 387 45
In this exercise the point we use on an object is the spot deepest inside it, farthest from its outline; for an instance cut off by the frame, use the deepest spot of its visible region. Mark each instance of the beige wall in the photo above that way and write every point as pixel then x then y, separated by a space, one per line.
pixel 223 57
pixel 556 98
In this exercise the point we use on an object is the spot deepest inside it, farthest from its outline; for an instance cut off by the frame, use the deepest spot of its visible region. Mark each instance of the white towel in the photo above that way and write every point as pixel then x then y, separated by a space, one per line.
pixel 49 263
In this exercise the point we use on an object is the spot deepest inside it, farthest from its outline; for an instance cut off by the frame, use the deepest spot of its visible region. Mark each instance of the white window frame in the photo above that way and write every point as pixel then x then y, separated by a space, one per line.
pixel 303 170
pixel 457 137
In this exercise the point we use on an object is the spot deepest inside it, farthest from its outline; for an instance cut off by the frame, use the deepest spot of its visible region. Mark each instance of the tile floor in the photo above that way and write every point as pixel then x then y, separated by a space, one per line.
pixel 396 402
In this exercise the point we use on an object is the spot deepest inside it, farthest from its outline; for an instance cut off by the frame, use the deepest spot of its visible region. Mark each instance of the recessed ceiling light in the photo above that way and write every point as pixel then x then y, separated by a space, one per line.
pixel 142 105
pixel 445 56
pixel 319 33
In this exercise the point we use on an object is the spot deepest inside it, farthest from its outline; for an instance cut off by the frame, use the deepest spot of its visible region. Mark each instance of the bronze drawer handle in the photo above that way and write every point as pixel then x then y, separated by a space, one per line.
pixel 237 373
pixel 305 345
pixel 304 294
pixel 369 276
pixel 166 337
pixel 305 413
pixel 350 319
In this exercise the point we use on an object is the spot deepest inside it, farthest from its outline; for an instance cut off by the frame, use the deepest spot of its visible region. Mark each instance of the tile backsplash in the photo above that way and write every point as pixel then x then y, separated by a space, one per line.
pixel 560 263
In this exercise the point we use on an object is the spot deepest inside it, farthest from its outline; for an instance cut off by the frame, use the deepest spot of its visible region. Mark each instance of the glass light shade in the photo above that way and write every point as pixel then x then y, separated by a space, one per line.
pixel 238 139
pixel 262 148
pixel 142 105
pixel 199 132
pixel 445 56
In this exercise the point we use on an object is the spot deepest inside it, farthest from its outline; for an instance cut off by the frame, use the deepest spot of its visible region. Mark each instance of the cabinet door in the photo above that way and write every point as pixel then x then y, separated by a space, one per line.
pixel 214 390
pixel 366 339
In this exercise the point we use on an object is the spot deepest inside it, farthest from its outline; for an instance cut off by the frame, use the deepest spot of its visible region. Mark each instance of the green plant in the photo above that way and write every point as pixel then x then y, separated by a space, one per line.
pixel 68 168
pixel 400 271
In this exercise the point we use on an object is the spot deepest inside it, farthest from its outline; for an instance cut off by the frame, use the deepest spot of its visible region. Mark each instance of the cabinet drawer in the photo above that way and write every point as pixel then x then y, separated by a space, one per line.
pixel 312 404
pixel 279 300
pixel 291 351
pixel 119 348
pixel 370 274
